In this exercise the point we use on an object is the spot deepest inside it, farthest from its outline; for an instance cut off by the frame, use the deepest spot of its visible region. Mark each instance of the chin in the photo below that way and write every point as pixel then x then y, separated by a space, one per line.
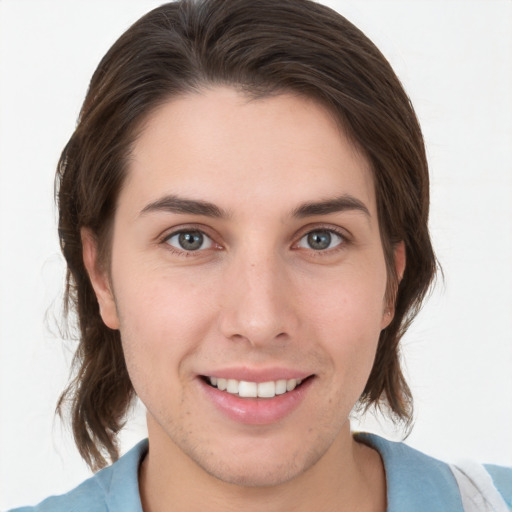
pixel 263 467
pixel 258 474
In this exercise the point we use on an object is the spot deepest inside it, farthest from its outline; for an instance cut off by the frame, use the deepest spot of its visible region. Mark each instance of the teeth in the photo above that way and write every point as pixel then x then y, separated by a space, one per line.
pixel 267 389
pixel 280 387
pixel 233 386
pixel 246 389
pixel 290 384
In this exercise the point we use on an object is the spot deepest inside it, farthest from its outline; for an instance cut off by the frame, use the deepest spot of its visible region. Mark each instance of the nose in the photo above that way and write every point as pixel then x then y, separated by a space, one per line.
pixel 258 304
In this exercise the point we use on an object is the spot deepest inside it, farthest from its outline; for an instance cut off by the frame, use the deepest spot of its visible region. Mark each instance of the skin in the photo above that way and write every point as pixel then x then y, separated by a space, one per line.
pixel 255 294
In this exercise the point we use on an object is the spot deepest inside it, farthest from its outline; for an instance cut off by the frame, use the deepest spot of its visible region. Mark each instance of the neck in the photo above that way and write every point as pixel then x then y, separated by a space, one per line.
pixel 349 476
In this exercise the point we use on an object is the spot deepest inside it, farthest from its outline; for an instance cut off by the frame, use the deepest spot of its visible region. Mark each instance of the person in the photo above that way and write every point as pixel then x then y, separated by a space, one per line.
pixel 243 210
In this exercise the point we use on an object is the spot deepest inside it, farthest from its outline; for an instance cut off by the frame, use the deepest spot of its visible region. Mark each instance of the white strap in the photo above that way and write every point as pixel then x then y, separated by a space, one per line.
pixel 477 488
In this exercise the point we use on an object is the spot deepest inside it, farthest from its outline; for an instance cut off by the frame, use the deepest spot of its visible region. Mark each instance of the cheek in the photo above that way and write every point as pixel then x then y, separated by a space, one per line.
pixel 347 317
pixel 162 322
pixel 351 302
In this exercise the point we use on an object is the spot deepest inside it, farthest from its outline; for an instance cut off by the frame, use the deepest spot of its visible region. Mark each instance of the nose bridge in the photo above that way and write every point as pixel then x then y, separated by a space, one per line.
pixel 257 308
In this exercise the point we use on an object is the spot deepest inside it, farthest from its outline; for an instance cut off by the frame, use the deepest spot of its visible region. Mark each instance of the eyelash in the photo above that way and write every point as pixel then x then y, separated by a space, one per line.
pixel 344 241
pixel 183 252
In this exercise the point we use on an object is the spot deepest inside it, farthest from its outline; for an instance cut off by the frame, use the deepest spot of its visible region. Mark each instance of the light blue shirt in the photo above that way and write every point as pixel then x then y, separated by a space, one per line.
pixel 415 483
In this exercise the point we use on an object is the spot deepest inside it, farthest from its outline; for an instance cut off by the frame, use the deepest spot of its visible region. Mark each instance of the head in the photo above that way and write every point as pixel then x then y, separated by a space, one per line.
pixel 261 49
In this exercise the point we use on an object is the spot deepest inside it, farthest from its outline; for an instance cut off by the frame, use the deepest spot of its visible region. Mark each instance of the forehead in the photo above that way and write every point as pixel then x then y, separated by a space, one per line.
pixel 223 147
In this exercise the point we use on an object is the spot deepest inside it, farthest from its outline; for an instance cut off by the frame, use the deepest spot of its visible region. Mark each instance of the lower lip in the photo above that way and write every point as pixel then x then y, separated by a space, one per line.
pixel 257 411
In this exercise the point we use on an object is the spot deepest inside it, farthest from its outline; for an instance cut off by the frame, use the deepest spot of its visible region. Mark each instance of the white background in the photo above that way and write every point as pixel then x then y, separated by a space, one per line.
pixel 455 60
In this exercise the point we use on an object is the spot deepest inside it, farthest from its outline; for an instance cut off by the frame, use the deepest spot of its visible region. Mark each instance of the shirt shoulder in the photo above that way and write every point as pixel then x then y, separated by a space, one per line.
pixel 88 496
pixel 416 481
pixel 113 489
pixel 502 479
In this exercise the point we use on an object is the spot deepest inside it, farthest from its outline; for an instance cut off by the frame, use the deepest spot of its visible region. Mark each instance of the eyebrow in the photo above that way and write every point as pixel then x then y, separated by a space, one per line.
pixel 342 203
pixel 176 204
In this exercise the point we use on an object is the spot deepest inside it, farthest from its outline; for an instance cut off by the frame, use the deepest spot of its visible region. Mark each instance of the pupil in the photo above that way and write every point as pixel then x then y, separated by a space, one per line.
pixel 191 240
pixel 319 240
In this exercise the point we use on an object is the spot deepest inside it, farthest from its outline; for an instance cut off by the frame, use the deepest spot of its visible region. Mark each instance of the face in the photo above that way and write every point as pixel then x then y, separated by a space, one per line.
pixel 246 254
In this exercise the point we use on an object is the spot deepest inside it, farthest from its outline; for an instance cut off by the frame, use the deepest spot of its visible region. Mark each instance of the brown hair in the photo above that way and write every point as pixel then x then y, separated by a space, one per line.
pixel 261 47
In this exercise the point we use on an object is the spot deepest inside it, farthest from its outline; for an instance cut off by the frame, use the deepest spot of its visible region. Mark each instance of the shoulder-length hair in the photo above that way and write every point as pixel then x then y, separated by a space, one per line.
pixel 260 47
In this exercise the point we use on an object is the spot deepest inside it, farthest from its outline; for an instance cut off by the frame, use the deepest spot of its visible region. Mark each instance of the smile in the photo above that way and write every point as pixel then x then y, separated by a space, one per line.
pixel 245 389
pixel 260 401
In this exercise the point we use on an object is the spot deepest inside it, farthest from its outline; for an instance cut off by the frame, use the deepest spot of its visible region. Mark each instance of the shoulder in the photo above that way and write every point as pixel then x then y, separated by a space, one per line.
pixel 113 489
pixel 416 481
pixel 87 496
pixel 502 479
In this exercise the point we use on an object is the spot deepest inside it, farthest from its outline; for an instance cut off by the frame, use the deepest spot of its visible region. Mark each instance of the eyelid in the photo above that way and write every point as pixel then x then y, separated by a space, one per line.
pixel 346 237
pixel 205 239
pixel 176 230
pixel 338 230
pixel 180 228
pixel 335 238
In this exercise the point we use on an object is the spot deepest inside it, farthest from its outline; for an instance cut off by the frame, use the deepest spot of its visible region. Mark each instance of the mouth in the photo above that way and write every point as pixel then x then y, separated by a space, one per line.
pixel 246 389
pixel 266 402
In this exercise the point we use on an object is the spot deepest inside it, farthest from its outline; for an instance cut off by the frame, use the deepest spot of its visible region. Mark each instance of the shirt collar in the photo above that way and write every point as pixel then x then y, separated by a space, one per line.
pixel 414 480
pixel 121 480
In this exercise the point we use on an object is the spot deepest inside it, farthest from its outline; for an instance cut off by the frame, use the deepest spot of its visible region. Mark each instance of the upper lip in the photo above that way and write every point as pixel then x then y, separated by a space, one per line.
pixel 257 374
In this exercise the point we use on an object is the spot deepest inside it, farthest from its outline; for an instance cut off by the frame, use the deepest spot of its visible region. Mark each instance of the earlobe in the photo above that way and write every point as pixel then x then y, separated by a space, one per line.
pixel 99 279
pixel 400 262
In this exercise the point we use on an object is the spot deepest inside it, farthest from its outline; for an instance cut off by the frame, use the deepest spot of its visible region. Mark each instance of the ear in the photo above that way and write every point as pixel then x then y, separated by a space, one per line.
pixel 400 262
pixel 99 279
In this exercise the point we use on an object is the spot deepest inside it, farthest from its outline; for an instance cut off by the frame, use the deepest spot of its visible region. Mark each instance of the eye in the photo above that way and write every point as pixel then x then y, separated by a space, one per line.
pixel 192 240
pixel 320 240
